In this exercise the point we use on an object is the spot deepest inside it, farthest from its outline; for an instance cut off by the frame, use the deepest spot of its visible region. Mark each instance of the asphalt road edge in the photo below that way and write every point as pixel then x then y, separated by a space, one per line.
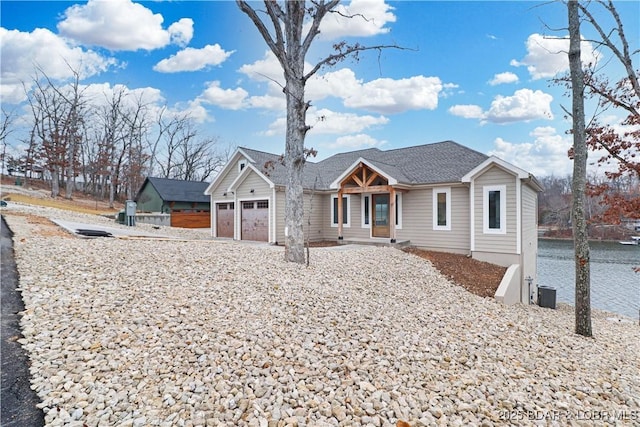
pixel 17 400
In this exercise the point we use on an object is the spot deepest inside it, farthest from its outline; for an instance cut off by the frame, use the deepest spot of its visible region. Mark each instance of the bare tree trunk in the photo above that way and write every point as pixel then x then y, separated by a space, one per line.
pixel 55 181
pixel 580 237
pixel 294 163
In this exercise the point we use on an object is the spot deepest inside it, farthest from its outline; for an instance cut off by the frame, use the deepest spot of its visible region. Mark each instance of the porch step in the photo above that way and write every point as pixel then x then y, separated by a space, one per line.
pixel 375 242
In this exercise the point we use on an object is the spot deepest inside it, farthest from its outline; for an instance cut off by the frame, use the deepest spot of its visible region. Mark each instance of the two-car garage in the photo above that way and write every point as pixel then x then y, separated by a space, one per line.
pixel 254 220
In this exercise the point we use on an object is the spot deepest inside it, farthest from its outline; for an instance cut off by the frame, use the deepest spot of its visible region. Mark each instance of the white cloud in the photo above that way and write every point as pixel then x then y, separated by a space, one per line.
pixel 327 122
pixel 467 111
pixel 23 52
pixel 503 78
pixel 386 96
pixel 547 56
pixel 230 99
pixel 355 142
pixel 361 18
pixel 273 101
pixel 181 32
pixel 523 106
pixel 266 69
pixel 121 25
pixel 191 59
pixel 545 155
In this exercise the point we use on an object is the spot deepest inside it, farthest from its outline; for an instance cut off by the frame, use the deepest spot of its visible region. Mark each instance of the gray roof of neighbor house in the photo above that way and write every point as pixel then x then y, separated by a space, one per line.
pixel 177 190
pixel 441 162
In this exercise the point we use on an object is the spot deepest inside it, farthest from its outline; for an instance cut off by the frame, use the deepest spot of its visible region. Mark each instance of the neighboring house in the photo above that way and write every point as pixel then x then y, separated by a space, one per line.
pixel 441 196
pixel 185 201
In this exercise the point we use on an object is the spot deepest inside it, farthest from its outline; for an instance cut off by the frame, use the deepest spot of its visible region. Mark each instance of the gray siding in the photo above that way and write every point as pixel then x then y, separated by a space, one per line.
pixel 253 182
pixel 318 219
pixel 497 243
pixel 224 185
pixel 417 221
pixel 314 209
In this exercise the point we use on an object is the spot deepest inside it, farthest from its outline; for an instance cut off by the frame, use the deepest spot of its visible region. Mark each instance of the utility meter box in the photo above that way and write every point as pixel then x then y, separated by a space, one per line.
pixel 130 212
pixel 130 208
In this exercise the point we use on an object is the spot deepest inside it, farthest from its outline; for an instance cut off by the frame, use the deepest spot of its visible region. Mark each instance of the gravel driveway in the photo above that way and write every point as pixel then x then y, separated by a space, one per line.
pixel 203 332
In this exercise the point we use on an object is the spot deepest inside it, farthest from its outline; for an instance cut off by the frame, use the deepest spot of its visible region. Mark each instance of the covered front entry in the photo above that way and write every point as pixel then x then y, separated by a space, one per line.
pixel 255 221
pixel 224 219
pixel 380 220
pixel 362 178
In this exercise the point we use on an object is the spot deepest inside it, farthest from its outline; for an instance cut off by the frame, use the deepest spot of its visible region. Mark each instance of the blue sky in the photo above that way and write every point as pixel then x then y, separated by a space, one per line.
pixel 474 72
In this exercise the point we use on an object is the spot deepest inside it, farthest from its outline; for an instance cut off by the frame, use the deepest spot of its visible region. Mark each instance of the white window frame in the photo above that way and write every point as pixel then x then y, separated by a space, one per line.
pixel 363 210
pixel 348 208
pixel 241 165
pixel 502 189
pixel 447 192
pixel 399 210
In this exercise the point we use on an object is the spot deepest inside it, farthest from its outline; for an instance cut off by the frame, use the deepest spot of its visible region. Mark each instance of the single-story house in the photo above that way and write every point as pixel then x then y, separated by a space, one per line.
pixel 442 196
pixel 185 201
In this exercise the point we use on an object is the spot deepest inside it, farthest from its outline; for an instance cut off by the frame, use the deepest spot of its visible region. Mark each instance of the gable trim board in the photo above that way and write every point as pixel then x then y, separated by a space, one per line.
pixel 416 174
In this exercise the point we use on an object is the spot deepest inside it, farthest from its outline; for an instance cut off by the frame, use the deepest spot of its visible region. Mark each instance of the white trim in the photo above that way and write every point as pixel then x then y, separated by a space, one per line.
pixel 274 237
pixel 245 173
pixel 447 192
pixel 518 217
pixel 225 171
pixel 503 209
pixel 399 209
pixel 244 153
pixel 472 215
pixel 493 160
pixel 348 208
pixel 335 184
pixel 253 199
pixel 214 216
pixel 362 210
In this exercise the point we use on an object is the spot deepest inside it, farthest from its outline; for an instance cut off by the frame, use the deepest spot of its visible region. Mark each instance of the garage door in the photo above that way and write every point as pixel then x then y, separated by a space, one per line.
pixel 255 220
pixel 191 219
pixel 224 221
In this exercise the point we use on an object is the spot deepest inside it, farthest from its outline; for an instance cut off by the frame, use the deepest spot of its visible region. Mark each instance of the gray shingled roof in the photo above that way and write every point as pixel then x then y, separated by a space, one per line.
pixel 177 190
pixel 441 162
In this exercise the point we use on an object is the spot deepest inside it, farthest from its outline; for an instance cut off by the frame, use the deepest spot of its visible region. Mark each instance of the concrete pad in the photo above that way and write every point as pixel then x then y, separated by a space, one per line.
pixel 131 232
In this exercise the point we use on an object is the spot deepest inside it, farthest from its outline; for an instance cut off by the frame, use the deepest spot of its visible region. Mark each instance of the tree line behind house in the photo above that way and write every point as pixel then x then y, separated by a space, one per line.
pixel 105 144
pixel 554 206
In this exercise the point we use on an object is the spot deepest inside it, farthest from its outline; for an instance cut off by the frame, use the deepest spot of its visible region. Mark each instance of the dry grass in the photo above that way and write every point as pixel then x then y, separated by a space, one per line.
pixel 79 205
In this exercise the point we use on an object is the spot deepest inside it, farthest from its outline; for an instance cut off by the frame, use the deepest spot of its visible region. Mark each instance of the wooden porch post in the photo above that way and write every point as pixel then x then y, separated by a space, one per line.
pixel 340 207
pixel 392 214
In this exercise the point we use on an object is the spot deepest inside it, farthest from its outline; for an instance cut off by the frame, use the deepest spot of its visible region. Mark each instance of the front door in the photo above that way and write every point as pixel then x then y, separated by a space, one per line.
pixel 380 215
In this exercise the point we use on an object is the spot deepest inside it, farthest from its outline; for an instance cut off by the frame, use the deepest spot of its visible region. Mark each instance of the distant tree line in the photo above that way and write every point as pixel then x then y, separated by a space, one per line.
pixel 105 144
pixel 554 203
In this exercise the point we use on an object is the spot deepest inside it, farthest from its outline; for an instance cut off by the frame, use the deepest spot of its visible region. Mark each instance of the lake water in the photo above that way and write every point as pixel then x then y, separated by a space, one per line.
pixel 615 287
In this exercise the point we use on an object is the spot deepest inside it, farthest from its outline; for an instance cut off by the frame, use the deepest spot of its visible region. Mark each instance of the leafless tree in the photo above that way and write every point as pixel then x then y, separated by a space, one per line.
pixel 58 115
pixel 283 31
pixel 579 222
pixel 134 158
pixel 6 128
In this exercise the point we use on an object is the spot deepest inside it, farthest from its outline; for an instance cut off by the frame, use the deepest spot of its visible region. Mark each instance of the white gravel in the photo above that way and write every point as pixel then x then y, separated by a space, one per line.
pixel 203 332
